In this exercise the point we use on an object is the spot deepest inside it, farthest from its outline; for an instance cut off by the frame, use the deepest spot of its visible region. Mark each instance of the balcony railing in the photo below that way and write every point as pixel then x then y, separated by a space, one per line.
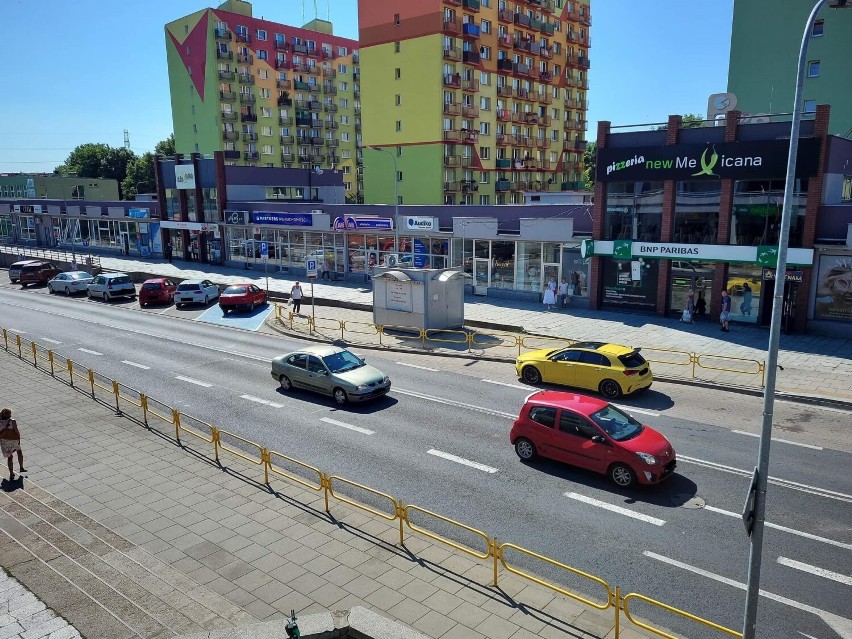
pixel 223 34
pixel 227 96
pixel 329 89
pixel 229 116
pixel 317 142
pixel 283 64
pixel 247 98
pixel 503 163
pixel 470 30
pixel 227 76
pixel 283 84
pixel 454 3
pixel 505 140
pixel 245 58
pixel 583 62
pixel 470 85
pixel 224 55
pixel 329 73
pixel 470 57
pixel 288 157
pixel 332 143
pixel 330 108
pixel 329 55
pixel 452 135
pixel 453 27
pixel 248 117
pixel 470 111
pixel 330 125
pixel 502 185
pixel 246 78
pixel 285 102
pixel 287 139
pixel 451 187
pixel 469 186
pixel 249 137
pixel 251 156
pixel 473 5
pixel 244 38
pixel 452 81
pixel 504 64
pixel 452 160
pixel 505 15
pixel 452 54
pixel 230 136
pixel 470 137
pixel 281 45
pixel 315 106
pixel 519 118
pixel 505 41
pixel 542 143
pixel 504 91
pixel 503 115
pixel 452 108
pixel 304 122
pixel 300 48
pixel 522 19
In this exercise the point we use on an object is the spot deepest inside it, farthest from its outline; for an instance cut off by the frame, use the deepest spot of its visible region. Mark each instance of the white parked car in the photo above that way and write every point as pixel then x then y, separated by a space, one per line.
pixel 108 286
pixel 196 292
pixel 70 282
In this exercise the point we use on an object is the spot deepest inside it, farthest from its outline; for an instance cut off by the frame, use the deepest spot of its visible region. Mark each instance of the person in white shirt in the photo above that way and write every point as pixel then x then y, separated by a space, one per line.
pixel 296 297
pixel 562 295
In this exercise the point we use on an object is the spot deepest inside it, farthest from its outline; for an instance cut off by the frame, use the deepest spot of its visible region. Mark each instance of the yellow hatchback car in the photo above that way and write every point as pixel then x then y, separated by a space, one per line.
pixel 610 369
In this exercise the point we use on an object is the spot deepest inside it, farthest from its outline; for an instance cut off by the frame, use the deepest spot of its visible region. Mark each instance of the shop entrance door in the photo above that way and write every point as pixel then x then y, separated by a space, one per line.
pixel 552 270
pixel 481 275
pixel 788 311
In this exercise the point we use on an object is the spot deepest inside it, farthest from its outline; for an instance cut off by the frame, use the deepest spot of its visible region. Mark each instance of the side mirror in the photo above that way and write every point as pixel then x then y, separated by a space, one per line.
pixel 599 439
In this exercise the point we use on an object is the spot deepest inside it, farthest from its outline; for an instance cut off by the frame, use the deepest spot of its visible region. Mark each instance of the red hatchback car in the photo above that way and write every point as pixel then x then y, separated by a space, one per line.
pixel 590 433
pixel 159 290
pixel 247 296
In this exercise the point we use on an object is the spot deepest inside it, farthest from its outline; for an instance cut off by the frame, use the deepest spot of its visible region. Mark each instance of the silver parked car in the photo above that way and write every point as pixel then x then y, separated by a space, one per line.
pixel 331 371
pixel 15 270
pixel 70 282
pixel 108 286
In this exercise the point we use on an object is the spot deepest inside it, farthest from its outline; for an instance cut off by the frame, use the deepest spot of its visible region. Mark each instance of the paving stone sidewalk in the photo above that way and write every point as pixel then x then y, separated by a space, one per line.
pixel 24 616
pixel 266 550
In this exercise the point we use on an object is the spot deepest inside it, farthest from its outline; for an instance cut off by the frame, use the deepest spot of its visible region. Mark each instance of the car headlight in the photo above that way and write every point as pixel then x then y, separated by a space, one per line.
pixel 362 387
pixel 648 459
pixel 385 380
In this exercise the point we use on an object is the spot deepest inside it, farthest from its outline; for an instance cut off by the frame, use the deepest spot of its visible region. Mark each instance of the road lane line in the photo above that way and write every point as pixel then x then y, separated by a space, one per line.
pixel 633 409
pixel 142 366
pixel 50 341
pixel 616 509
pixel 193 381
pixel 840 625
pixel 462 460
pixel 357 429
pixel 819 572
pixel 422 368
pixel 792 531
pixel 507 384
pixel 90 352
pixel 260 400
pixel 775 439
pixel 776 481
pixel 451 402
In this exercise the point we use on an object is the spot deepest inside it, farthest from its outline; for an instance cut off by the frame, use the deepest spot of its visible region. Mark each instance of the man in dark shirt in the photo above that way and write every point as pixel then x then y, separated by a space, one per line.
pixel 725 315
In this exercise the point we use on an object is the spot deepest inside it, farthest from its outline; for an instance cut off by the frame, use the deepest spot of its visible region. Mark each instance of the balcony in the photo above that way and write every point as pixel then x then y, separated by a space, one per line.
pixel 329 89
pixel 504 91
pixel 333 159
pixel 546 53
pixel 505 140
pixel 245 38
pixel 248 117
pixel 283 84
pixel 227 96
pixel 548 6
pixel 502 185
pixel 522 94
pixel 542 143
pixel 356 57
pixel 452 81
pixel 521 19
pixel 452 160
pixel 505 15
pixel 470 57
pixel 224 34
pixel 246 78
pixel 332 143
pixel 317 142
pixel 283 64
pixel 470 111
pixel 518 117
pixel 522 69
pixel 247 98
pixel 469 137
pixel 314 70
pixel 300 48
pixel 472 5
pixel 548 28
pixel 230 136
pixel 281 45
pixel 469 186
pixel 329 73
pixel 522 44
pixel 251 156
pixel 570 186
pixel 504 163
pixel 544 120
pixel 329 55
pixel 505 41
pixel 503 115
pixel 287 139
pixel 229 116
pixel 245 58
pixel 535 23
pixel 471 85
pixel 470 31
pixel 224 55
pixel 315 106
pixel 504 64
pixel 304 122
pixel 284 101
pixel 452 187
pixel 544 98
pixel 531 118
pixel 519 186
pixel 331 125
pixel 330 108
pixel 452 108
pixel 467 161
pixel 452 27
pixel 452 54
pixel 227 76
pixel 287 157
pixel 454 3
pixel 452 135
pixel 305 159
pixel 249 137
pixel 583 62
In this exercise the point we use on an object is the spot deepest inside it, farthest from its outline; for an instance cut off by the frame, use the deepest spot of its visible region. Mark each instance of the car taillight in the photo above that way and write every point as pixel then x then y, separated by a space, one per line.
pixel 630 372
pixel 109 284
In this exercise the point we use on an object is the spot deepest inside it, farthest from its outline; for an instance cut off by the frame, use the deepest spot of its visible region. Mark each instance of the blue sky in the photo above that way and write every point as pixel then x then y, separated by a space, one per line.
pixel 84 71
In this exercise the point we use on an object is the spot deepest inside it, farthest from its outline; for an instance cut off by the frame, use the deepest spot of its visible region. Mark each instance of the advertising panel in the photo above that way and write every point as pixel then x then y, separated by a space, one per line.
pixel 834 288
pixel 185 176
pixel 282 219
pixel 349 223
pixel 622 290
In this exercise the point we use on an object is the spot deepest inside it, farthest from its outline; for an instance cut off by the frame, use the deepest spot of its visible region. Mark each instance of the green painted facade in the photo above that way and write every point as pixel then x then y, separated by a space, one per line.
pixel 54 187
pixel 421 168
pixel 764 53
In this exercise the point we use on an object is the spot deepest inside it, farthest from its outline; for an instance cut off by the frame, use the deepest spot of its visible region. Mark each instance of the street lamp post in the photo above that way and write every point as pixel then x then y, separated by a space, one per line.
pixel 395 201
pixel 762 470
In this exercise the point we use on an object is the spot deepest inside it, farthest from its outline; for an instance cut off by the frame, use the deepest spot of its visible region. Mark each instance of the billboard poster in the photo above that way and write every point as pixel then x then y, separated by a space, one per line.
pixel 834 288
pixel 622 290
pixel 185 176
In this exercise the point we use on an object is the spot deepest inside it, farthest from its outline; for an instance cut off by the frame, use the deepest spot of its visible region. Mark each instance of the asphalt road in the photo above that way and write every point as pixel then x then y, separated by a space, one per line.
pixel 681 543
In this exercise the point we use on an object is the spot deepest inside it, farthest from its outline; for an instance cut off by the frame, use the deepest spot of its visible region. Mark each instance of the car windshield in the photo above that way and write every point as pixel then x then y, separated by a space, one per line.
pixel 189 287
pixel 235 290
pixel 617 425
pixel 342 361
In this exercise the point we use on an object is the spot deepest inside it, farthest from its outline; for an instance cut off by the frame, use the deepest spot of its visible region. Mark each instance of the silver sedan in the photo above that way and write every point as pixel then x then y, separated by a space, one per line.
pixel 331 371
pixel 70 282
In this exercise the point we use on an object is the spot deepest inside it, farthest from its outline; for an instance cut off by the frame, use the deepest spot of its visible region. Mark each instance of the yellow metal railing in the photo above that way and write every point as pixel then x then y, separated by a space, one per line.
pixel 333 485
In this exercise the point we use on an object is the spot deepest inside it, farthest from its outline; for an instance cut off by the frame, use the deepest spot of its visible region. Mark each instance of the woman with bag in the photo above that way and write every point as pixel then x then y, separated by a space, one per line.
pixel 10 441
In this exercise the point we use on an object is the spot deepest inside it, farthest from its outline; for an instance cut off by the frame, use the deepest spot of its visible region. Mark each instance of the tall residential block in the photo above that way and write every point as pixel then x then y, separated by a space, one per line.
pixel 265 93
pixel 477 100
pixel 765 44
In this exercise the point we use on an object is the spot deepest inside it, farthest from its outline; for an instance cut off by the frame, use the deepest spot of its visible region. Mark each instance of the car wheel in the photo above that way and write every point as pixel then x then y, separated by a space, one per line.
pixel 622 475
pixel 67 292
pixel 525 449
pixel 531 375
pixel 610 389
pixel 340 396
pixel 285 383
pixel 106 297
pixel 251 309
pixel 206 300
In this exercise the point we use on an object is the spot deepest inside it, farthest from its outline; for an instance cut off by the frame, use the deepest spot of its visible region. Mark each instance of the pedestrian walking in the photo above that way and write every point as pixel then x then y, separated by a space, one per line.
pixel 700 305
pixel 296 297
pixel 562 295
pixel 745 307
pixel 689 311
pixel 73 263
pixel 169 252
pixel 725 314
pixel 575 283
pixel 10 442
pixel 549 297
pixel 326 270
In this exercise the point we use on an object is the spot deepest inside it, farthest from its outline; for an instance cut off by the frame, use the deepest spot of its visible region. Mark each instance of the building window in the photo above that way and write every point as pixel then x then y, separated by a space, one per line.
pixel 818 27
pixel 485 25
pixel 396 47
pixel 263 74
pixel 266 130
pixel 485 103
pixel 396 19
pixel 810 106
pixel 485 78
pixel 484 200
pixel 399 176
pixel 342 68
pixel 265 112
pixel 397 73
pixel 485 52
pixel 399 151
pixel 813 69
pixel 484 151
pixel 344 137
pixel 398 99
pixel 262 55
pixel 484 177
pixel 399 199
pixel 846 193
pixel 399 125
pixel 484 128
pixel 195 128
pixel 261 34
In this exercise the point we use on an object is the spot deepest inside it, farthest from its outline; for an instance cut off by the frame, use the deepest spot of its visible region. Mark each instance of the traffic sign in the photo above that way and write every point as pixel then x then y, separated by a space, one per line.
pixel 264 251
pixel 311 268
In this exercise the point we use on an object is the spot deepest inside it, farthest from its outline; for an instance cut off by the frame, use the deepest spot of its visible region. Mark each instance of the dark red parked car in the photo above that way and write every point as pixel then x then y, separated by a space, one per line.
pixel 247 296
pixel 159 290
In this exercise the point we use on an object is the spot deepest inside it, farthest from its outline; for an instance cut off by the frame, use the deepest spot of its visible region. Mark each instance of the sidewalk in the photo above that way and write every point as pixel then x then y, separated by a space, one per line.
pixel 813 366
pixel 126 534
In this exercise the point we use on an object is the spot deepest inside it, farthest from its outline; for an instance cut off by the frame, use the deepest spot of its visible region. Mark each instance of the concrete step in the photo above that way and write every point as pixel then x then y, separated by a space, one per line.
pixel 145 595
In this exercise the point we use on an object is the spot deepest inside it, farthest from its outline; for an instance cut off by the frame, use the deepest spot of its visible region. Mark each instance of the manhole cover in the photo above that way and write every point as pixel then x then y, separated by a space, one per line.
pixel 687 501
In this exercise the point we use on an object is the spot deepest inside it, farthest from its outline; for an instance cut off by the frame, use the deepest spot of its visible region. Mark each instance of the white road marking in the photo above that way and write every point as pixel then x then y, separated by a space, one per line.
pixel 50 341
pixel 193 381
pixel 641 411
pixel 840 625
pixel 792 531
pixel 357 429
pixel 462 460
pixel 775 439
pixel 15 330
pixel 451 402
pixel 90 352
pixel 616 509
pixel 819 572
pixel 777 481
pixel 260 400
pixel 507 384
pixel 422 368
pixel 129 363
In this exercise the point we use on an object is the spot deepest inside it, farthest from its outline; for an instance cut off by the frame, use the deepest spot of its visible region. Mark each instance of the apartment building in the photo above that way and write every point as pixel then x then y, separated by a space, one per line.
pixel 475 101
pixel 265 93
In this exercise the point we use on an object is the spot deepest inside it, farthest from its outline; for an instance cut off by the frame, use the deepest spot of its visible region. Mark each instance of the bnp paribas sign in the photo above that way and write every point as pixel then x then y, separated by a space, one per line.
pixel 765 159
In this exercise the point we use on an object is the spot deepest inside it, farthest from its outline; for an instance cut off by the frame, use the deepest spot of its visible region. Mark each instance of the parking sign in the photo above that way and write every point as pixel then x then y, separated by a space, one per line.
pixel 311 268
pixel 264 251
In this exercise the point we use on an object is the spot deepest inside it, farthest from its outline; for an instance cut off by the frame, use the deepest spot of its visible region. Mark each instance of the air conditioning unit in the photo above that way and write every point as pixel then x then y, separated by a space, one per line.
pixel 392 261
pixel 316 211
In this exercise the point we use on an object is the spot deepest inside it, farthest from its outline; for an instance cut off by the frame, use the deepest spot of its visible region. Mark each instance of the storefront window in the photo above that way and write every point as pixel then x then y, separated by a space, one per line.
pixel 634 211
pixel 211 206
pixel 575 270
pixel 745 286
pixel 528 272
pixel 756 219
pixel 171 203
pixel 6 228
pixel 696 218
pixel 190 206
pixel 26 227
pixel 503 264
pixel 626 286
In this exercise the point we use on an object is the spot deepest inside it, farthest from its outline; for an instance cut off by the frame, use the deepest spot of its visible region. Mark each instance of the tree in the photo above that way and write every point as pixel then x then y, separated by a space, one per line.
pixel 140 176
pixel 688 121
pixel 166 148
pixel 115 162
pixel 86 160
pixel 590 161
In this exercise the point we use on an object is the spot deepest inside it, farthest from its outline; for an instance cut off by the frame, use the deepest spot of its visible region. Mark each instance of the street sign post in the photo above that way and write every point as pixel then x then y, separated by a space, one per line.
pixel 748 506
pixel 264 255
pixel 311 270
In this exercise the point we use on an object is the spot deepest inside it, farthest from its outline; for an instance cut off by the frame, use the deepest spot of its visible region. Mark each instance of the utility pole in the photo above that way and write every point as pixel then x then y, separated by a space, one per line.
pixel 126 139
